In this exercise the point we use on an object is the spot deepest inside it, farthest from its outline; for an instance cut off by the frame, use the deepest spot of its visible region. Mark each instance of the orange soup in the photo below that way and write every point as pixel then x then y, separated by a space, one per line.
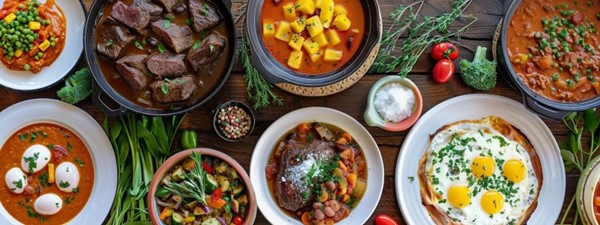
pixel 313 37
pixel 65 148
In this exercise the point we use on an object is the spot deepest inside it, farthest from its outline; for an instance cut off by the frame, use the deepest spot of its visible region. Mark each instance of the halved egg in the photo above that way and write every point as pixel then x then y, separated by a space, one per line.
pixel 67 177
pixel 16 180
pixel 48 204
pixel 35 158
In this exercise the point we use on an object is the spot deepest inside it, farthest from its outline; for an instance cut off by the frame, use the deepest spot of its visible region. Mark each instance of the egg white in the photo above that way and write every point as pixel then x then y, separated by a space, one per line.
pixel 481 139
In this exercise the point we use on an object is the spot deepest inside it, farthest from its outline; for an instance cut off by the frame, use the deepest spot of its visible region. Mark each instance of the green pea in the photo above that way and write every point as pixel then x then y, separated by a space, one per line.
pixel 36 58
pixel 18 44
pixel 52 44
pixel 52 39
pixel 30 37
pixel 37 18
pixel 27 67
pixel 40 54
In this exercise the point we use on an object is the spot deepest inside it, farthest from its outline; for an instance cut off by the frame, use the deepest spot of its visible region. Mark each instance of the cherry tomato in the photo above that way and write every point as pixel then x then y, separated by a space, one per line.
pixel 237 220
pixel 443 71
pixel 216 195
pixel 383 219
pixel 444 50
pixel 207 167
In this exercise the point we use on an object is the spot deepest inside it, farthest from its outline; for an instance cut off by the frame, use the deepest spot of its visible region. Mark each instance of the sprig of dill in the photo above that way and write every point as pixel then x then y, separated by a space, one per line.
pixel 422 32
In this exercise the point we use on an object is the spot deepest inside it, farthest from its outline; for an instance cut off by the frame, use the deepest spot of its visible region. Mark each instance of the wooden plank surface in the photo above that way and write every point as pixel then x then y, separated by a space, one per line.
pixel 352 101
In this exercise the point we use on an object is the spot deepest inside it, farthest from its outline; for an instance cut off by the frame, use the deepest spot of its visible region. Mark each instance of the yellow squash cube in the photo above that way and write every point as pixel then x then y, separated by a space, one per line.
pixel 283 33
pixel 320 39
pixel 326 15
pixel 310 46
pixel 44 45
pixel 9 18
pixel 316 56
pixel 314 26
pixel 34 25
pixel 342 22
pixel 339 9
pixel 318 3
pixel 295 59
pixel 298 25
pixel 268 28
pixel 289 12
pixel 333 55
pixel 307 7
pixel 333 36
pixel 296 42
pixel 18 53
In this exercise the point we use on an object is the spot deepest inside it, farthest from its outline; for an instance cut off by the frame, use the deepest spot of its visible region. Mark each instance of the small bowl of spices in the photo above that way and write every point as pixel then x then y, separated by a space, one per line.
pixel 394 104
pixel 233 120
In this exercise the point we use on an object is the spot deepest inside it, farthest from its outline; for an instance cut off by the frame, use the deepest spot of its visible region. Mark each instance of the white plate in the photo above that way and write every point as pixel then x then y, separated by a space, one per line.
pixel 34 111
pixel 68 58
pixel 267 204
pixel 477 106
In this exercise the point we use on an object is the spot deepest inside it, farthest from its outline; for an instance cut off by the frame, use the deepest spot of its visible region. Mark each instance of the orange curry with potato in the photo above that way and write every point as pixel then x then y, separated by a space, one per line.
pixel 33 34
pixel 312 37
pixel 554 48
pixel 74 150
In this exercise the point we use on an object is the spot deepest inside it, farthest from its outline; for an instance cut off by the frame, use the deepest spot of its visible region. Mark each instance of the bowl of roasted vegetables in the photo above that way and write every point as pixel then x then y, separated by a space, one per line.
pixel 201 186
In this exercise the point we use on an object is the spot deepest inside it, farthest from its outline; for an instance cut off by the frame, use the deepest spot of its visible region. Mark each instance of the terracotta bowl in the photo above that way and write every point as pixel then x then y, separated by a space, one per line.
pixel 585 190
pixel 179 157
pixel 373 118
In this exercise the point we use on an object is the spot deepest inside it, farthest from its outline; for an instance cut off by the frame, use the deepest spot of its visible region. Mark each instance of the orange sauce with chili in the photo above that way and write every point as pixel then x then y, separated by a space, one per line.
pixel 20 206
pixel 57 29
pixel 281 50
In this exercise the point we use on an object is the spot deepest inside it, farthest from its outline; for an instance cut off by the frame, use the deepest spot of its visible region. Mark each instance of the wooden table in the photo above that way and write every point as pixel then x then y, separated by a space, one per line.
pixel 351 101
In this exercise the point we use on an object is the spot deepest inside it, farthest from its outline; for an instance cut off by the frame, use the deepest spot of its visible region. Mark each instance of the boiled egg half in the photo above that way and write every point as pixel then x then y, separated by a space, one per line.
pixel 48 204
pixel 67 177
pixel 16 180
pixel 35 158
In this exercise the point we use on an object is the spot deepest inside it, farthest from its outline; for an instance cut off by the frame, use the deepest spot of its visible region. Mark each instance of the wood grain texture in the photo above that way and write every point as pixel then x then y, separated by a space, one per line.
pixel 351 101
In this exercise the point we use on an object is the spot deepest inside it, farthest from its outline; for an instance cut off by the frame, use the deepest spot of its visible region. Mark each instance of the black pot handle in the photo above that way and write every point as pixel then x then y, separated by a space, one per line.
pixel 544 110
pixel 97 98
pixel 227 4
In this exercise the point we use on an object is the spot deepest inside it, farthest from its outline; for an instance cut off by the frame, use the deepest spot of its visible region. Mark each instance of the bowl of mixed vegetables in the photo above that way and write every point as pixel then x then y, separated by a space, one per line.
pixel 201 187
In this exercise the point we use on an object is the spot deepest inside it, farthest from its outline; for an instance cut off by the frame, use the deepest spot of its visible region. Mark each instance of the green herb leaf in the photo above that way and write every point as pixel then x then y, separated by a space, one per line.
pixel 212 48
pixel 164 88
pixel 138 45
pixel 44 179
pixel 196 45
pixel 167 24
pixel 592 120
pixel 109 42
pixel 81 163
pixel 64 184
pixel 162 48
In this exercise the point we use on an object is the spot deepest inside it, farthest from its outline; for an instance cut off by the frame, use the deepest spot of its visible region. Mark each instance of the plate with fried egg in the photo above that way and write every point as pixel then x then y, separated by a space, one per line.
pixel 480 159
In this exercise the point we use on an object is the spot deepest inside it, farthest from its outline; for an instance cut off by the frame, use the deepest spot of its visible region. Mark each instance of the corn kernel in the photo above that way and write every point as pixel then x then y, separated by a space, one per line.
pixel 9 18
pixel 34 25
pixel 18 53
pixel 44 45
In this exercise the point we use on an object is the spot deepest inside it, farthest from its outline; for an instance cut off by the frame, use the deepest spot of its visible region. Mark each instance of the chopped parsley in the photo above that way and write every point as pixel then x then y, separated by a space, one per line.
pixel 78 161
pixel 196 45
pixel 31 161
pixel 411 179
pixel 109 42
pixel 33 137
pixel 138 45
pixel 44 179
pixel 69 147
pixel 68 200
pixel 64 184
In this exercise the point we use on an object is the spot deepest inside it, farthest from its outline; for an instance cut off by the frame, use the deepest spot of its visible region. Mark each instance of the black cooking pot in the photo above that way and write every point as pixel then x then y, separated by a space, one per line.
pixel 276 73
pixel 537 103
pixel 223 6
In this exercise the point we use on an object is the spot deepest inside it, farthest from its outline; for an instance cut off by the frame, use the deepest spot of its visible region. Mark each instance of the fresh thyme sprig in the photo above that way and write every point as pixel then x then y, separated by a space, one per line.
pixel 193 185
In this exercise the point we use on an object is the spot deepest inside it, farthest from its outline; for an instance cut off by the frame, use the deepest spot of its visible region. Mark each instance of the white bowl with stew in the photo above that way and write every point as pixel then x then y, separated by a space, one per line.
pixel 588 191
pixel 287 128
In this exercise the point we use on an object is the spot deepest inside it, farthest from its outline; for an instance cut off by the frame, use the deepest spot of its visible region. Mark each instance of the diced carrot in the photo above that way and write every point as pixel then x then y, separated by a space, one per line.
pixel 306 218
pixel 342 166
pixel 348 154
pixel 347 136
pixel 345 198
pixel 167 211
pixel 324 195
pixel 219 203
pixel 351 179
pixel 303 128
pixel 329 221
pixel 342 141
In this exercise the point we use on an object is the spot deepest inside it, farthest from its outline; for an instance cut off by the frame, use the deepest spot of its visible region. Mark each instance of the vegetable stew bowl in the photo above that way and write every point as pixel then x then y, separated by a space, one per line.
pixel 179 158
pixel 277 73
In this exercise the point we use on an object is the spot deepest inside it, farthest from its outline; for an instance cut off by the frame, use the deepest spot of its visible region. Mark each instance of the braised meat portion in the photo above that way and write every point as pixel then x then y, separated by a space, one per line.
pixel 169 4
pixel 209 50
pixel 114 37
pixel 133 70
pixel 169 91
pixel 204 15
pixel 133 17
pixel 152 9
pixel 166 65
pixel 178 38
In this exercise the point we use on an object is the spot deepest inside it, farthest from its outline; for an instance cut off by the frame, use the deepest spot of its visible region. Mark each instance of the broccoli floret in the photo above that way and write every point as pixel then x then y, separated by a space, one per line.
pixel 480 73
pixel 78 86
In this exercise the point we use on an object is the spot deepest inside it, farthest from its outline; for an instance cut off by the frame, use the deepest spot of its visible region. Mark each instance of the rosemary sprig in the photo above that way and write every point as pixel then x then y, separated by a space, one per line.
pixel 193 185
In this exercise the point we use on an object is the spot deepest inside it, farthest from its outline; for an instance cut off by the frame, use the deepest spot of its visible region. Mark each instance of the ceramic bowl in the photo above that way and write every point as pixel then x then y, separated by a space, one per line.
pixel 373 118
pixel 241 105
pixel 585 190
pixel 179 157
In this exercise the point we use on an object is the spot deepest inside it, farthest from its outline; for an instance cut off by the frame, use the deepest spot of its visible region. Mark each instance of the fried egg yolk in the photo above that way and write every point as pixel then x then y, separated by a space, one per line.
pixel 458 196
pixel 514 170
pixel 483 166
pixel 492 202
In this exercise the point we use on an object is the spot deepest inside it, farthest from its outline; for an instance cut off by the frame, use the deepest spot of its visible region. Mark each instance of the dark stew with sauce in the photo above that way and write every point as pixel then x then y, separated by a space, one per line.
pixel 162 54
pixel 317 173
pixel 554 48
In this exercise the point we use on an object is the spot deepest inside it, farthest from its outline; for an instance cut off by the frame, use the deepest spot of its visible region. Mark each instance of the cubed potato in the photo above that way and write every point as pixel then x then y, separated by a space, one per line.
pixel 317 55
pixel 296 42
pixel 310 46
pixel 333 55
pixel 318 3
pixel 307 7
pixel 295 59
pixel 326 14
pixel 339 9
pixel 333 36
pixel 283 33
pixel 268 28
pixel 290 12
pixel 298 25
pixel 342 22
pixel 314 26
pixel 321 40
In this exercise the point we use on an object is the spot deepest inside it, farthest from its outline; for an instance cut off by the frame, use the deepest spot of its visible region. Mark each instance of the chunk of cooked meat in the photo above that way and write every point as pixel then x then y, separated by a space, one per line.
pixel 169 4
pixel 152 9
pixel 166 65
pixel 178 38
pixel 169 91
pixel 210 49
pixel 114 37
pixel 292 191
pixel 133 70
pixel 133 17
pixel 204 15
